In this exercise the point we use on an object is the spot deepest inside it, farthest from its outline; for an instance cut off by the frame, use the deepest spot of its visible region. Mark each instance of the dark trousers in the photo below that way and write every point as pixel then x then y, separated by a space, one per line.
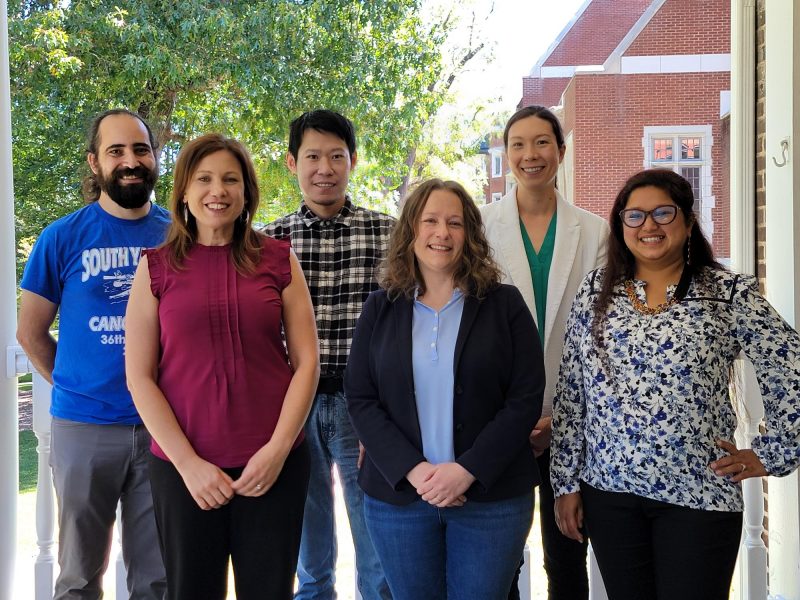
pixel 260 536
pixel 651 550
pixel 564 559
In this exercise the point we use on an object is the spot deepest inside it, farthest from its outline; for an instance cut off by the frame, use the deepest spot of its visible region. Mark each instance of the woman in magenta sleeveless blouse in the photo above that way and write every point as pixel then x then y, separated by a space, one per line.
pixel 221 394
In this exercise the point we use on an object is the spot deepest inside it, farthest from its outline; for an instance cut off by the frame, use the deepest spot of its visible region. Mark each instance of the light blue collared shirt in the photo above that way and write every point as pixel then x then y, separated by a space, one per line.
pixel 433 337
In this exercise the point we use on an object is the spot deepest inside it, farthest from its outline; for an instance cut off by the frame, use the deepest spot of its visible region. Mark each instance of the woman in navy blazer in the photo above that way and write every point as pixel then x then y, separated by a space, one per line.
pixel 444 383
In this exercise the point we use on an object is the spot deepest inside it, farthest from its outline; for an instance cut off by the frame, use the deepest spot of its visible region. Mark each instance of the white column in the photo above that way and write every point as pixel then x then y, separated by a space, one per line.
pixel 783 258
pixel 752 569
pixel 743 136
pixel 9 450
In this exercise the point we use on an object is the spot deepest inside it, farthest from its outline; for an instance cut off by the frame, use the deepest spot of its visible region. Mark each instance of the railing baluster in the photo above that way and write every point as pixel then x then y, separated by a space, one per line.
pixel 45 496
pixel 120 572
pixel 525 575
pixel 753 552
pixel 597 589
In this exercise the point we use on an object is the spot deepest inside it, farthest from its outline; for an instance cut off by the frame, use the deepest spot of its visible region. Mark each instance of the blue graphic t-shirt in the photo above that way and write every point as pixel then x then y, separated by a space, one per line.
pixel 85 263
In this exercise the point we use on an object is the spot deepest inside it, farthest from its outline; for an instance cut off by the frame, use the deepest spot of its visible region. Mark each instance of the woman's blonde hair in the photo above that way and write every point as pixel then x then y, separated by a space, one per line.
pixel 476 272
pixel 182 233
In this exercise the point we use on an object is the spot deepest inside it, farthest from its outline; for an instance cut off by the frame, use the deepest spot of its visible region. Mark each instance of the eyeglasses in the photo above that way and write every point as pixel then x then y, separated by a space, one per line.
pixel 662 215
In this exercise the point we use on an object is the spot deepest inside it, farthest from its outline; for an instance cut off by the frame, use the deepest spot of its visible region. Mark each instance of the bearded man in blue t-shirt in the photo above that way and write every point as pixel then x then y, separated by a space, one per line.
pixel 82 266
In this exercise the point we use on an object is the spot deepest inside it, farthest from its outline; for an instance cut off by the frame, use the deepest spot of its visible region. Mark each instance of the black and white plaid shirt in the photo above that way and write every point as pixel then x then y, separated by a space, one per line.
pixel 340 257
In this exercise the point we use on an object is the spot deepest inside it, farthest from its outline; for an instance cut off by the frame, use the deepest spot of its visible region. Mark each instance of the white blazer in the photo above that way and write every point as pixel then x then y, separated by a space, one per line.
pixel 580 246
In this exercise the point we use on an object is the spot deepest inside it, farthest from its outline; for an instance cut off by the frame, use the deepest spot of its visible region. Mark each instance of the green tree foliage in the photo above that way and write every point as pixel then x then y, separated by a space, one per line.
pixel 243 67
pixel 449 142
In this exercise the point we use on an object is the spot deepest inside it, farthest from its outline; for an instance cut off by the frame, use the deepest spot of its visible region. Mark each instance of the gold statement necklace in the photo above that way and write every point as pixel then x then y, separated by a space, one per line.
pixel 630 290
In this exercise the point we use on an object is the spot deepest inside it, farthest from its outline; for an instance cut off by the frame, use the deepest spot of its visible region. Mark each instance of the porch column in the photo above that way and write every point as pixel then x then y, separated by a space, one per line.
pixel 783 257
pixel 743 135
pixel 752 571
pixel 9 459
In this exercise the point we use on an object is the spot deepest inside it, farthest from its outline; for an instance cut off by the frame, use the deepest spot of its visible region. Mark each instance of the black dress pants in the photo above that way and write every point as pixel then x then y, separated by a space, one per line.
pixel 651 550
pixel 259 535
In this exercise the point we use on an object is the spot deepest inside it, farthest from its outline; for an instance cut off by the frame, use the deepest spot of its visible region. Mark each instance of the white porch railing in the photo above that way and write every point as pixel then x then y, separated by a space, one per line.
pixel 751 584
pixel 44 565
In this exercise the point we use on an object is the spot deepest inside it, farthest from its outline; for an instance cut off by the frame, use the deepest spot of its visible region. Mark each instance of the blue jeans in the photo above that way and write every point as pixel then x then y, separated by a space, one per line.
pixel 465 553
pixel 331 440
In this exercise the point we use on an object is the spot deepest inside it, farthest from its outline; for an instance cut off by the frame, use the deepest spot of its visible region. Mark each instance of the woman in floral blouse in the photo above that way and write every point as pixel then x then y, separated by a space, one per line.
pixel 643 423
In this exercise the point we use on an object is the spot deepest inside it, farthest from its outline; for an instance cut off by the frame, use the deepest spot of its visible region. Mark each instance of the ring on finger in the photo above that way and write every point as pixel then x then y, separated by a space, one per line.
pixel 258 486
pixel 744 468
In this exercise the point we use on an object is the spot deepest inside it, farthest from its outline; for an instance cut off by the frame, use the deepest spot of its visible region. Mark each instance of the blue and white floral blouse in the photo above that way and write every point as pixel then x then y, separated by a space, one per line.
pixel 644 418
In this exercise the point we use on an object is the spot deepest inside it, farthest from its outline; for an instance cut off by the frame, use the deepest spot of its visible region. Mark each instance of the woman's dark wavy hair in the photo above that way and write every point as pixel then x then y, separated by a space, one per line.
pixel 182 233
pixel 476 272
pixel 620 262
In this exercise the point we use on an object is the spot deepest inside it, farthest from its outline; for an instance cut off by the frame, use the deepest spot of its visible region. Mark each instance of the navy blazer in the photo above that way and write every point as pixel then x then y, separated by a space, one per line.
pixel 498 387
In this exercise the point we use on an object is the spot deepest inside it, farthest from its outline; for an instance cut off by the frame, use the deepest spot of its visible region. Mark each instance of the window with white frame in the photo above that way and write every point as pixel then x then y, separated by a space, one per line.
pixel 687 151
pixel 497 163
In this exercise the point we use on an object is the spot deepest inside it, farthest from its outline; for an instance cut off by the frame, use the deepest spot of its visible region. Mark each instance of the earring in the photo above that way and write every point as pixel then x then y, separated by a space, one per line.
pixel 185 213
pixel 689 251
pixel 245 216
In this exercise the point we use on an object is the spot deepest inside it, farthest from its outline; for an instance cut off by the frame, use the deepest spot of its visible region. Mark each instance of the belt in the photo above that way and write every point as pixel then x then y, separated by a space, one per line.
pixel 330 384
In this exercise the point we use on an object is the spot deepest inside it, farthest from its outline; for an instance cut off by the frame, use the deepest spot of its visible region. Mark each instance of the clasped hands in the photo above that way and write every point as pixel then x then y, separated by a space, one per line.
pixel 442 485
pixel 211 487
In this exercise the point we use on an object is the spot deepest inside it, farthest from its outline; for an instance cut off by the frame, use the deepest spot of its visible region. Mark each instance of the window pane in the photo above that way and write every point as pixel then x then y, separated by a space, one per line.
pixel 692 175
pixel 690 148
pixel 497 166
pixel 662 149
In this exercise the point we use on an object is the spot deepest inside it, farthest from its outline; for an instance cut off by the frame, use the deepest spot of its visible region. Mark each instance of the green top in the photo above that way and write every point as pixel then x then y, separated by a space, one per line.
pixel 539 264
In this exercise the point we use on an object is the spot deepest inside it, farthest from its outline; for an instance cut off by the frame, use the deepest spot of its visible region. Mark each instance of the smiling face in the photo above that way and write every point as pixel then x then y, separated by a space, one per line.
pixel 439 239
pixel 533 154
pixel 322 165
pixel 125 164
pixel 652 245
pixel 215 196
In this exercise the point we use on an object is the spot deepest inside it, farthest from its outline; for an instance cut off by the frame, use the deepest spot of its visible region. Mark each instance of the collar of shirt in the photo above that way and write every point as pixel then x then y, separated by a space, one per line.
pixel 457 295
pixel 343 216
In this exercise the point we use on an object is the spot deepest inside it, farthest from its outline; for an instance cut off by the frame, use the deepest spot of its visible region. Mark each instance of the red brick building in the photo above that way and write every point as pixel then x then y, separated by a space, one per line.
pixel 638 83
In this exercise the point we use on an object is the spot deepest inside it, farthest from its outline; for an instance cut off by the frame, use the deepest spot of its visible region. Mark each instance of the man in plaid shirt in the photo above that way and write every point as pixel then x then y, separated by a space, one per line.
pixel 340 247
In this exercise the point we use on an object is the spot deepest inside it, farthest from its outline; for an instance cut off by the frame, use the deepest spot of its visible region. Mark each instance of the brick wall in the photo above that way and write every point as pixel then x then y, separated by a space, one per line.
pixel 545 92
pixel 761 153
pixel 724 181
pixel 686 27
pixel 761 192
pixel 608 113
pixel 597 32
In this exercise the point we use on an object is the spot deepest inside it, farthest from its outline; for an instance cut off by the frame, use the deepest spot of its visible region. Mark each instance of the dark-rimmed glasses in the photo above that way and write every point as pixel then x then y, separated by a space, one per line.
pixel 661 215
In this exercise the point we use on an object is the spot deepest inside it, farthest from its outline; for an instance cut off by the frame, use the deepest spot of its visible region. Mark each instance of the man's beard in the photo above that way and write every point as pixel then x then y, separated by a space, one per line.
pixel 128 195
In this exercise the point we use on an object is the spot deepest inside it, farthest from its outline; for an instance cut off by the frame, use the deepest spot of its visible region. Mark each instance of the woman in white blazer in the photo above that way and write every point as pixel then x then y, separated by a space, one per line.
pixel 545 246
